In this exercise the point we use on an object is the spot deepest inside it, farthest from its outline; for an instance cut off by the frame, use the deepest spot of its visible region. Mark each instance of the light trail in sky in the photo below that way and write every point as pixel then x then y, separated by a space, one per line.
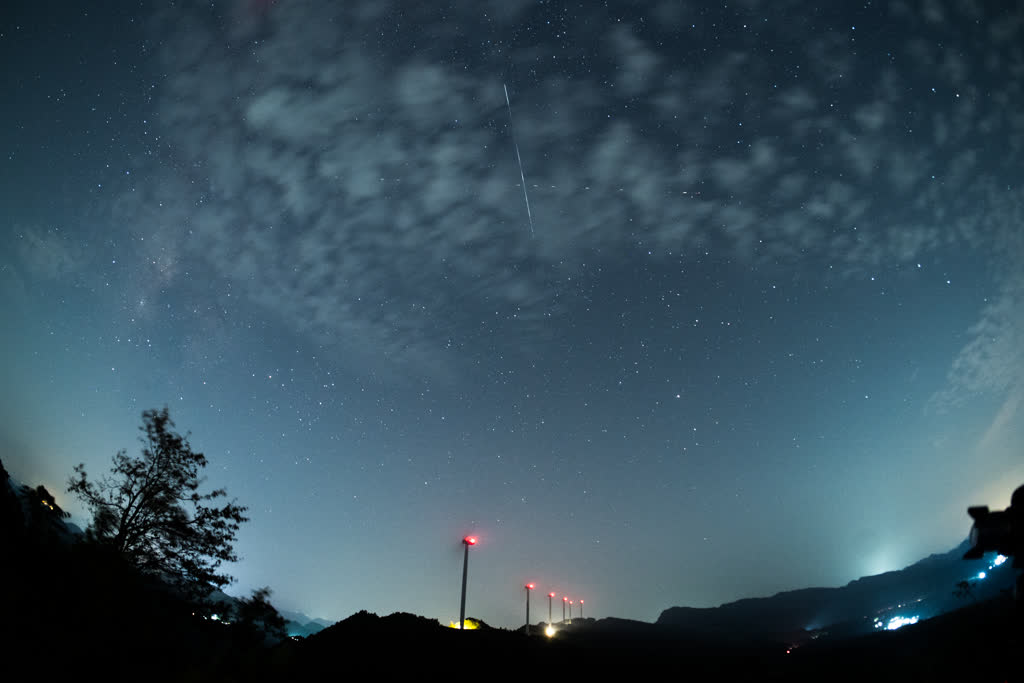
pixel 522 176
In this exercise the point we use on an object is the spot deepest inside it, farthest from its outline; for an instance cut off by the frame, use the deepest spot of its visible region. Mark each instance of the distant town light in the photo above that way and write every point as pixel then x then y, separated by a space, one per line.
pixel 999 560
pixel 897 622
pixel 981 575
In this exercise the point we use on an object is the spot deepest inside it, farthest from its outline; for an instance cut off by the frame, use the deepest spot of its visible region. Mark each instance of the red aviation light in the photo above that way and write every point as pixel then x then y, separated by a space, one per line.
pixel 551 595
pixel 469 540
pixel 529 586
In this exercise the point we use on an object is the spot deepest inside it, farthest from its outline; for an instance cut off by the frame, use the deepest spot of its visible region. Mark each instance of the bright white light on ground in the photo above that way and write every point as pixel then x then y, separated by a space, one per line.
pixel 999 560
pixel 549 631
pixel 897 622
pixel 981 575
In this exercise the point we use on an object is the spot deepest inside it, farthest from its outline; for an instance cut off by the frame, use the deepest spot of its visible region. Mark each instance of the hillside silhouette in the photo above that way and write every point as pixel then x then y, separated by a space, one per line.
pixel 924 589
pixel 84 612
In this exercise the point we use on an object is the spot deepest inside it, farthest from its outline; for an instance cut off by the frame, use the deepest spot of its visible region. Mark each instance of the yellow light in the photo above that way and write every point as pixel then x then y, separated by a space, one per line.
pixel 549 631
pixel 471 625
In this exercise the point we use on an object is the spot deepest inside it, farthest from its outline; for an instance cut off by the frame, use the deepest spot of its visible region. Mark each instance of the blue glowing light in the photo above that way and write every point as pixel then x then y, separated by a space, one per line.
pixel 897 622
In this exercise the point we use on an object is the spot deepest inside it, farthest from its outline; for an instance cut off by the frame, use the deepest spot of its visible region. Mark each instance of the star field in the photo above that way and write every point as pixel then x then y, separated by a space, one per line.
pixel 762 330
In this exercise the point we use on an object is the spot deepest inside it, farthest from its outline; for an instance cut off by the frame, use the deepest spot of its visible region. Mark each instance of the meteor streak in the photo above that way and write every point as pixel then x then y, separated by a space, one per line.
pixel 522 176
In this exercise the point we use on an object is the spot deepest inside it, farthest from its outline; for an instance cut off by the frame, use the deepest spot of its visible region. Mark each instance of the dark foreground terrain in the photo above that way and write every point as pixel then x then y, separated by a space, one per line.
pixel 98 621
pixel 74 611
pixel 978 643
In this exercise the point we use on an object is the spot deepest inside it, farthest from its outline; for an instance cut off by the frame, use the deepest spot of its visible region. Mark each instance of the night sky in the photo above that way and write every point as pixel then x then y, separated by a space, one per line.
pixel 765 330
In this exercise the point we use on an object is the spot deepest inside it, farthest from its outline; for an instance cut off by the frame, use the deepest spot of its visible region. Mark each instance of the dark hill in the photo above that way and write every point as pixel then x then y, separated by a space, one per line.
pixel 925 589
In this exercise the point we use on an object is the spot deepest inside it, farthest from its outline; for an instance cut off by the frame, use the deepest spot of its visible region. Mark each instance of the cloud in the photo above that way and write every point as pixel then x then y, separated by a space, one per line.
pixel 638 64
pixel 367 193
pixel 993 359
pixel 991 363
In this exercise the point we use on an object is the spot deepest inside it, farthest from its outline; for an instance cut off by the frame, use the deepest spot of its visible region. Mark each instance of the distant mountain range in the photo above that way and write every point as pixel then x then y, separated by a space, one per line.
pixel 920 591
pixel 298 624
